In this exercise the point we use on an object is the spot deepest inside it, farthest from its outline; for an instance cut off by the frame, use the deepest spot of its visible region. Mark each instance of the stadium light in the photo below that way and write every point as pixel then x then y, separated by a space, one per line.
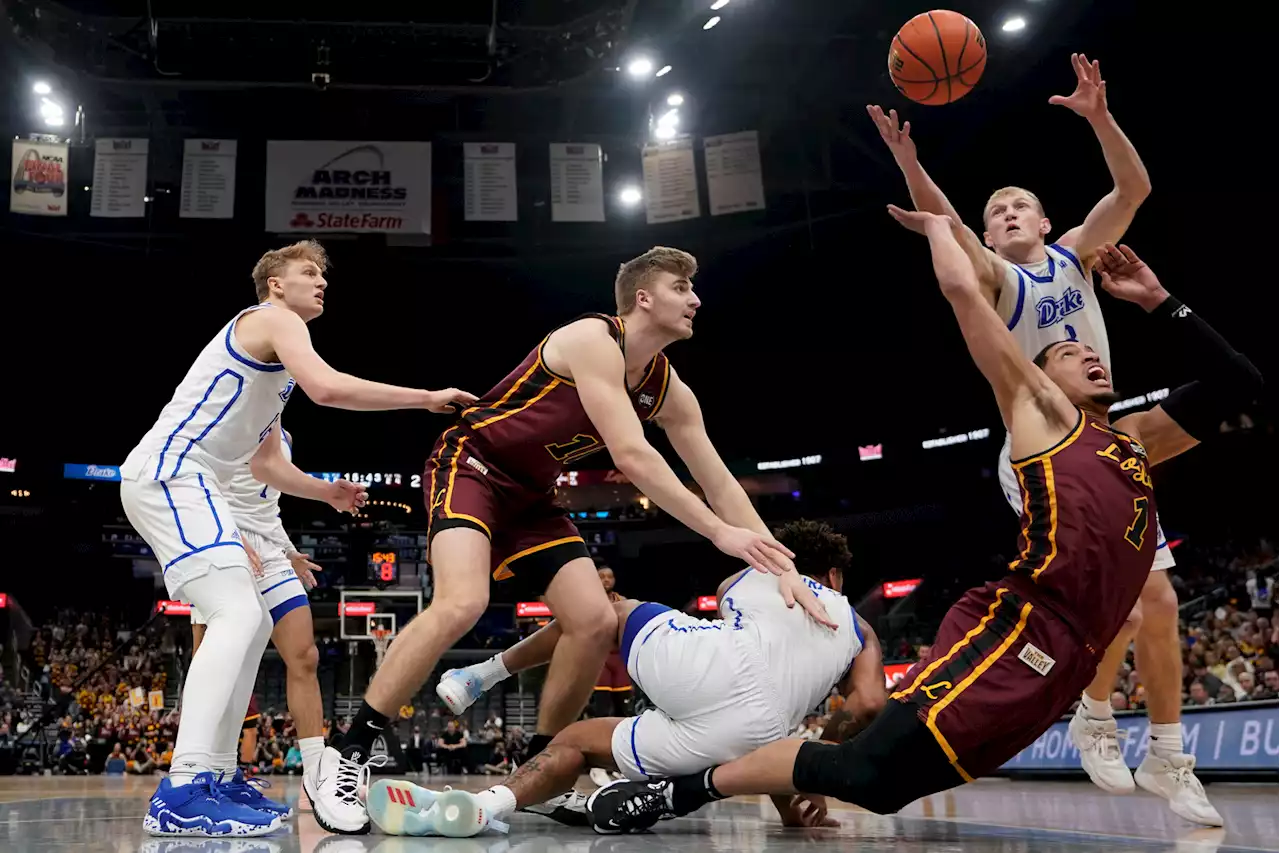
pixel 1014 24
pixel 664 131
pixel 663 71
pixel 719 4
pixel 42 88
pixel 630 196
pixel 675 99
pixel 715 19
pixel 641 66
pixel 671 118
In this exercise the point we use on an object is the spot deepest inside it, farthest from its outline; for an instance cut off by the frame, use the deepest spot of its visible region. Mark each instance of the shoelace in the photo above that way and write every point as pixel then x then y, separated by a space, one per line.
pixel 353 776
pixel 1108 743
pixel 645 803
pixel 1185 777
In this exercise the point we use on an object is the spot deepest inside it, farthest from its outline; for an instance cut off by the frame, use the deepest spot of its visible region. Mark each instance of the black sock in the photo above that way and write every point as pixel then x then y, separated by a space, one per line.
pixel 690 793
pixel 537 743
pixel 365 729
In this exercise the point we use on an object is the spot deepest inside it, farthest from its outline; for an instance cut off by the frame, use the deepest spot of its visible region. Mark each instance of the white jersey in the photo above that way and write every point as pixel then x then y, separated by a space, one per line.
pixel 256 506
pixel 219 414
pixel 1052 301
pixel 802 659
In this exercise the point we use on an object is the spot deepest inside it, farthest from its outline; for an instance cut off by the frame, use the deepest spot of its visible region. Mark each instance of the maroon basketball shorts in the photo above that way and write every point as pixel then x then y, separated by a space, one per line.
pixel 613 677
pixel 1002 670
pixel 527 530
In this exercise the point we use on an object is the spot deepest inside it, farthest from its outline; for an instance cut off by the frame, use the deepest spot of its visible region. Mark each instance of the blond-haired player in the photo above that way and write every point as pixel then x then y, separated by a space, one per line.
pixel 223 416
pixel 1045 293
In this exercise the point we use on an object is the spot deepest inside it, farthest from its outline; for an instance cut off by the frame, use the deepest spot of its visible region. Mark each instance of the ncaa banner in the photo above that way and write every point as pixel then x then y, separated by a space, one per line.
pixel 39 178
pixel 361 187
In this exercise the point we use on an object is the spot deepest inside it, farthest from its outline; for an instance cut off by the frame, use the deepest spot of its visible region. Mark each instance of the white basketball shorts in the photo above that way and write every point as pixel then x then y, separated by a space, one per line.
pixel 704 679
pixel 279 584
pixel 1013 494
pixel 188 525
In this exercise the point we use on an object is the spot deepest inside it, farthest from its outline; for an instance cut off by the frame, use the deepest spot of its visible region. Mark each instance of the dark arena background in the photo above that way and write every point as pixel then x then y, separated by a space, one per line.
pixel 541 143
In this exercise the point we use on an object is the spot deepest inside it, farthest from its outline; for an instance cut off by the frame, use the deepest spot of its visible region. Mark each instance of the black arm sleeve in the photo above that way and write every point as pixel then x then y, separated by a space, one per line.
pixel 1231 381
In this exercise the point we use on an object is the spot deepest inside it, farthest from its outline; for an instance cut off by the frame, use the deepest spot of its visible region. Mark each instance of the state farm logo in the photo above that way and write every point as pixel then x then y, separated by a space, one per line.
pixel 358 174
pixel 301 220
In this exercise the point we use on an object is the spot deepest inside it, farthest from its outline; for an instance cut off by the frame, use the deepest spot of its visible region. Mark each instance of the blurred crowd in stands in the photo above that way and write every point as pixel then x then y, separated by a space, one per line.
pixel 108 723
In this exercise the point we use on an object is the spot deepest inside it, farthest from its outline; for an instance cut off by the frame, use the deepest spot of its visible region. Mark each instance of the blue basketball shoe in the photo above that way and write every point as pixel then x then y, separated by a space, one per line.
pixel 246 792
pixel 202 809
pixel 459 689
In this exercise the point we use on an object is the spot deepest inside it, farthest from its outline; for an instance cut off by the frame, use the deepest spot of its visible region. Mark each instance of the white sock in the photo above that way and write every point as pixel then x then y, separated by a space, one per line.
pixel 491 672
pixel 498 801
pixel 224 763
pixel 1095 709
pixel 1166 739
pixel 180 776
pixel 312 748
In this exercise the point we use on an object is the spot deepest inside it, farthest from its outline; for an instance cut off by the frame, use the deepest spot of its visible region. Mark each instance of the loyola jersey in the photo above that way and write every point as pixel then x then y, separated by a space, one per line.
pixel 256 506
pixel 1089 530
pixel 803 659
pixel 1052 301
pixel 219 414
pixel 531 424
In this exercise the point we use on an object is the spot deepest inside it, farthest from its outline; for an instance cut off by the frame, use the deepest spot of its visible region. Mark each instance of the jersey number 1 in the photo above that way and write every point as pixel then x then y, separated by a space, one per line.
pixel 569 451
pixel 1137 531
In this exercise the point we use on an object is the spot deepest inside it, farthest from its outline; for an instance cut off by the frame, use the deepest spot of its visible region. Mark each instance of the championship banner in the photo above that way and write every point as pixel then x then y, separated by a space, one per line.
pixel 577 183
pixel 734 180
pixel 670 182
pixel 1244 736
pixel 208 179
pixel 119 179
pixel 489 181
pixel 361 187
pixel 39 185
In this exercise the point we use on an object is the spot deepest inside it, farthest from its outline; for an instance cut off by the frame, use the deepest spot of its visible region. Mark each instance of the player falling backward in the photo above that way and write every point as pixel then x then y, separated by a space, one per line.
pixel 1010 657
pixel 1046 294
pixel 223 415
pixel 720 689
pixel 490 493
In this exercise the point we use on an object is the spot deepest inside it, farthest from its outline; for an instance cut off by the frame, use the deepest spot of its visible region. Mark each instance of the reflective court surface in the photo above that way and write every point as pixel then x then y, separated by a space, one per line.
pixel 55 814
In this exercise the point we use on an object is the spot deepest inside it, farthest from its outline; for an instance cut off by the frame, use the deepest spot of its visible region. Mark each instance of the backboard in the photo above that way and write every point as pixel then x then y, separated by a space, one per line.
pixel 360 610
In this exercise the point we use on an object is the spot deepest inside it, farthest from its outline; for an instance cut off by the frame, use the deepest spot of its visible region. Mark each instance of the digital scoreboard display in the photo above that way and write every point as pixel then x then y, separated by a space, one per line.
pixel 384 567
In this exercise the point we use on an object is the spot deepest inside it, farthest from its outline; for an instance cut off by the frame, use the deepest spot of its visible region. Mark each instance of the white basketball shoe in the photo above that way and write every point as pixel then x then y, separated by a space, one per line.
pixel 1175 779
pixel 1099 745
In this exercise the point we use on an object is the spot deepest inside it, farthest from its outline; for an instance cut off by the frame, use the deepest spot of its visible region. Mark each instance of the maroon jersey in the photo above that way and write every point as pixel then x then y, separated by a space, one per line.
pixel 1088 526
pixel 532 424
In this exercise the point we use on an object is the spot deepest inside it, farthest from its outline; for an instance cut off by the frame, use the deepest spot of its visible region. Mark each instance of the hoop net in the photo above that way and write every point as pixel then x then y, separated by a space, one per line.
pixel 381 640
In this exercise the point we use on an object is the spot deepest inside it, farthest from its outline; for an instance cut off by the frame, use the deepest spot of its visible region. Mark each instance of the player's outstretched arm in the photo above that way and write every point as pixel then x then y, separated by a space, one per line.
pixel 863 690
pixel 681 419
pixel 269 466
pixel 1192 412
pixel 1015 380
pixel 598 370
pixel 1111 216
pixel 285 334
pixel 927 196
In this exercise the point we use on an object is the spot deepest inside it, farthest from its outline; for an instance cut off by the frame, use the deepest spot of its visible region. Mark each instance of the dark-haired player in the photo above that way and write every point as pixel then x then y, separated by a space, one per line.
pixel 720 689
pixel 490 493
pixel 1010 657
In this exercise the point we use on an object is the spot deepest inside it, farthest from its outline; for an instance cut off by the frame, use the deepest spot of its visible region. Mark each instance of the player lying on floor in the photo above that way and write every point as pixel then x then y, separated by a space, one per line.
pixel 721 689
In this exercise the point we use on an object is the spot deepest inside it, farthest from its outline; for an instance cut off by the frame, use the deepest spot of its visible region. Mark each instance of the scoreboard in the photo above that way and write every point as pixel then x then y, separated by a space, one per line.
pixel 384 567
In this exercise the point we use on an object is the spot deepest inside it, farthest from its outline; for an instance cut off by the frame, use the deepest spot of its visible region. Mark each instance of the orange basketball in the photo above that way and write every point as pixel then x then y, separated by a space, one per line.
pixel 937 57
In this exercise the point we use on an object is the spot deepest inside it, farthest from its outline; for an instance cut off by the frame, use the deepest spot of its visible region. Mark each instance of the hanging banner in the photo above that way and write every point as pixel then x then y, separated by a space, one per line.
pixel 119 179
pixel 489 181
pixel 362 187
pixel 208 179
pixel 734 180
pixel 577 183
pixel 670 182
pixel 39 185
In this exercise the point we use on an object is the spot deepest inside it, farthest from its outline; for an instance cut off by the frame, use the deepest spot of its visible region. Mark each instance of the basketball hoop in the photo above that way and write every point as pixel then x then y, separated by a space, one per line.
pixel 381 640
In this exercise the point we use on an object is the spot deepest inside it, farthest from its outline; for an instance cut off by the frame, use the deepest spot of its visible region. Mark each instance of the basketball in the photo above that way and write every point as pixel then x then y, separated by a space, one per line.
pixel 937 57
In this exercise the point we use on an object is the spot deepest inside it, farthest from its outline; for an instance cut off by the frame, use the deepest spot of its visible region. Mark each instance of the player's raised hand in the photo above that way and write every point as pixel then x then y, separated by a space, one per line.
pixel 304 569
pixel 795 591
pixel 1090 97
pixel 897 137
pixel 762 553
pixel 917 220
pixel 346 496
pixel 1126 277
pixel 448 401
